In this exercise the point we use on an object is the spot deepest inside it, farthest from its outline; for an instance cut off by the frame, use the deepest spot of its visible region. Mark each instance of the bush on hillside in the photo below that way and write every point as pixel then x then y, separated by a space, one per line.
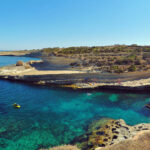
pixel 132 68
pixel 27 66
pixel 19 63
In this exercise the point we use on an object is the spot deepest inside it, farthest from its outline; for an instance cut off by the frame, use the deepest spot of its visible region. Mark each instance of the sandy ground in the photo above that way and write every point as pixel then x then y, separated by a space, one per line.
pixel 37 72
pixel 21 71
pixel 50 65
pixel 55 63
pixel 14 53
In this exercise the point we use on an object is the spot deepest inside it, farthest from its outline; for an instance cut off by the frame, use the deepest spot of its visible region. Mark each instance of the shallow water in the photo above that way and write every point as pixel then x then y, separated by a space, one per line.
pixel 9 60
pixel 50 116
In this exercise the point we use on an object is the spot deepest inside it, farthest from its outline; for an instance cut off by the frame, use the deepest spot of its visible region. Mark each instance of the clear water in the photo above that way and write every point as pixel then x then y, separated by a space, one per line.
pixel 50 116
pixel 9 60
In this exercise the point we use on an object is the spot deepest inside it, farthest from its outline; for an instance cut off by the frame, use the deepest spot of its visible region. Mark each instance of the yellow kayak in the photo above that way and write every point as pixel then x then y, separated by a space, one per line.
pixel 16 105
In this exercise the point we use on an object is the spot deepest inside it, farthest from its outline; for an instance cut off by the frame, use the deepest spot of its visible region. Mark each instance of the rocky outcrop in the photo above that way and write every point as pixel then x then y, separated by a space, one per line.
pixel 141 141
pixel 79 79
pixel 108 132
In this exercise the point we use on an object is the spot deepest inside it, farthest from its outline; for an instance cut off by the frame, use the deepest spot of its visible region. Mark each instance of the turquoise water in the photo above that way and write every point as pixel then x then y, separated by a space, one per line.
pixel 50 116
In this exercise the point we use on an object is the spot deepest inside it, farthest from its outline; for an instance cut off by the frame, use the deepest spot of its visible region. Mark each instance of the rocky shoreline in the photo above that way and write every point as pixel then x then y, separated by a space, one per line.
pixel 104 134
pixel 113 132
pixel 76 79
pixel 110 134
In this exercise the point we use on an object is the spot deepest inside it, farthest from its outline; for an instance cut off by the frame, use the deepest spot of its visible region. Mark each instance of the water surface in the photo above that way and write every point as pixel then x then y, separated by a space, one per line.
pixel 9 60
pixel 50 116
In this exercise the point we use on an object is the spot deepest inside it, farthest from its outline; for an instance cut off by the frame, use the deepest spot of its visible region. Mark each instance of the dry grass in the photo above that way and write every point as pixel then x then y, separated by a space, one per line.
pixel 63 147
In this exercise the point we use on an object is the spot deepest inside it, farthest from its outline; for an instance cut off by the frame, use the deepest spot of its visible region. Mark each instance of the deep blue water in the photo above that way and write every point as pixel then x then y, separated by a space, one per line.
pixel 50 116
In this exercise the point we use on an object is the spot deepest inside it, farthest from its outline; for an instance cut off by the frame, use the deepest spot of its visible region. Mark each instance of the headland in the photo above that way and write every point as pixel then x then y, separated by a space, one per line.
pixel 111 67
pixel 116 67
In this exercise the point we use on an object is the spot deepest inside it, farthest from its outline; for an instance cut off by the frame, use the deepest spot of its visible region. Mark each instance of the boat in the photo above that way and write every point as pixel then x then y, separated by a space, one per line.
pixel 16 105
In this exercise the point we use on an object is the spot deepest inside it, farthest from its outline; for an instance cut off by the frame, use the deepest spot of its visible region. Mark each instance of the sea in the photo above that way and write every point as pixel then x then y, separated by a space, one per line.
pixel 54 116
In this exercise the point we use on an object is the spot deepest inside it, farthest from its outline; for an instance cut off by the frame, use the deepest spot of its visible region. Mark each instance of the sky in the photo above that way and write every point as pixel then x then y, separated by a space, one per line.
pixel 35 24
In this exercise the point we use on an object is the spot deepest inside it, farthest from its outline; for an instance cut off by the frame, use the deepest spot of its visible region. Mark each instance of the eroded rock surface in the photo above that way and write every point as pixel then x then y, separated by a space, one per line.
pixel 141 141
pixel 108 132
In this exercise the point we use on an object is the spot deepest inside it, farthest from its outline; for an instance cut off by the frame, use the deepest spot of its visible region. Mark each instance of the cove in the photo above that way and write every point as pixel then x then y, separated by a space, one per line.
pixel 52 116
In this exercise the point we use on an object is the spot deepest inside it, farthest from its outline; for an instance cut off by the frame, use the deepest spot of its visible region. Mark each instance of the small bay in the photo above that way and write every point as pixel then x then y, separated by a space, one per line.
pixel 55 116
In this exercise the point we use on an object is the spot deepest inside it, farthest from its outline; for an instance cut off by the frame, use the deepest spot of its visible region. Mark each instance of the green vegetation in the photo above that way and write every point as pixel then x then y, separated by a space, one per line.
pixel 132 68
pixel 116 58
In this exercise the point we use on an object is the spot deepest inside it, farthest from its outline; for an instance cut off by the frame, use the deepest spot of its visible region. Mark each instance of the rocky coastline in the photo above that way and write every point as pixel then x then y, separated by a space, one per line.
pixel 104 134
pixel 110 134
pixel 76 79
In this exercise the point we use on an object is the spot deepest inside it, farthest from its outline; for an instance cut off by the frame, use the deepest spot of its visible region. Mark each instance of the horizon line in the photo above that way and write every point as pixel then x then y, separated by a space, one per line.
pixel 76 46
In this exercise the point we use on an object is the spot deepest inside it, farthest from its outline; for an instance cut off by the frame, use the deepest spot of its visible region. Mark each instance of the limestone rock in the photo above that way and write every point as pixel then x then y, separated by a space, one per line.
pixel 141 141
pixel 108 132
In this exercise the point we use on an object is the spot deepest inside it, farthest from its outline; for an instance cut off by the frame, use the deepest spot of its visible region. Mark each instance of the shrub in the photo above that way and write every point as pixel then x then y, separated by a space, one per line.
pixel 138 62
pixel 19 63
pixel 27 66
pixel 119 70
pixel 114 67
pixel 132 68
pixel 74 64
pixel 124 61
